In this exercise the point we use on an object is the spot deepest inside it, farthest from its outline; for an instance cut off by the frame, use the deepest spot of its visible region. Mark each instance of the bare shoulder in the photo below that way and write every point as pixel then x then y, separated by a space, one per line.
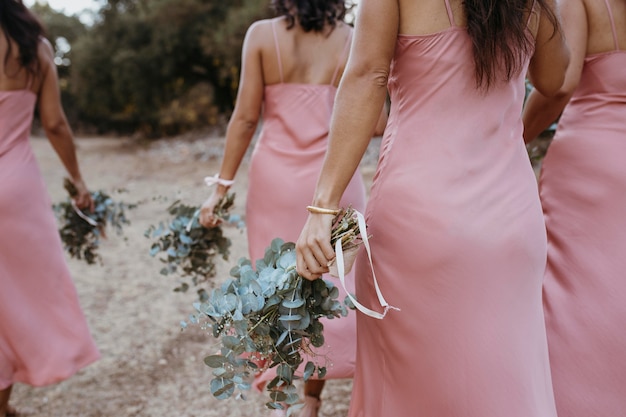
pixel 45 49
pixel 262 29
pixel 45 53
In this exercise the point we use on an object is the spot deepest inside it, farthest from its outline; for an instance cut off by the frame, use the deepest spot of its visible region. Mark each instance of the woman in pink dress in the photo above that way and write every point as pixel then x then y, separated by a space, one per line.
pixel 44 337
pixel 291 66
pixel 457 235
pixel 583 192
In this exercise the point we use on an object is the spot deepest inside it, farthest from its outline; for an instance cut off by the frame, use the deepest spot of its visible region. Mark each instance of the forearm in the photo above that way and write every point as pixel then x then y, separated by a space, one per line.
pixel 540 112
pixel 61 139
pixel 238 137
pixel 358 106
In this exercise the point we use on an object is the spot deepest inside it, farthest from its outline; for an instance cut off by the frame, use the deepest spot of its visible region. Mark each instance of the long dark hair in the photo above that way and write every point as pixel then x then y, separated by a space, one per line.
pixel 311 15
pixel 499 36
pixel 20 25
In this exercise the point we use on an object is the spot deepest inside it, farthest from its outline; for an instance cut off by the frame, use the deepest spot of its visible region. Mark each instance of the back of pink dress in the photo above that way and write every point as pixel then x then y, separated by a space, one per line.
pixel 43 334
pixel 283 172
pixel 583 191
pixel 458 244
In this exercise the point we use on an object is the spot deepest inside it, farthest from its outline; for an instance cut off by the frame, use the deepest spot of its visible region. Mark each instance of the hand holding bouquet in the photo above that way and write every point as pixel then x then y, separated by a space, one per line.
pixel 81 229
pixel 269 316
pixel 188 248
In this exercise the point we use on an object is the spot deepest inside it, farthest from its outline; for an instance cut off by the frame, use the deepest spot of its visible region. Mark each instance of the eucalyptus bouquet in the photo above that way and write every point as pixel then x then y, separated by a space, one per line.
pixel 269 316
pixel 188 248
pixel 81 230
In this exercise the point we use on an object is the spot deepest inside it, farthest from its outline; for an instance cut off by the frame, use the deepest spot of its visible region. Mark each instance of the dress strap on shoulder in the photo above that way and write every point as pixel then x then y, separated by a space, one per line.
pixel 533 10
pixel 346 48
pixel 613 29
pixel 450 14
pixel 279 60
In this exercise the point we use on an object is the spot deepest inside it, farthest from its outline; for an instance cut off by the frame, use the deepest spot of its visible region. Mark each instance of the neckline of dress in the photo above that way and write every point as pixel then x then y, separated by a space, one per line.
pixel 433 34
pixel 300 85
pixel 19 90
pixel 606 53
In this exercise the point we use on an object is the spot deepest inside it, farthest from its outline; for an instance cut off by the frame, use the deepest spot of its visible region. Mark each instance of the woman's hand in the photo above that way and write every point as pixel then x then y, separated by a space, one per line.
pixel 82 198
pixel 313 248
pixel 207 216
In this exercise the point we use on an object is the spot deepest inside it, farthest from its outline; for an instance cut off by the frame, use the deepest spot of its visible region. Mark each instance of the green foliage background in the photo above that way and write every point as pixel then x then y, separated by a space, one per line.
pixel 154 67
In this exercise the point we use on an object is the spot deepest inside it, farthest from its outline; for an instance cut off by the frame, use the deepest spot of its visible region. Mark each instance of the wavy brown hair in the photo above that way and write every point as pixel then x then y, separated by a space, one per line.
pixel 311 15
pixel 498 29
pixel 21 26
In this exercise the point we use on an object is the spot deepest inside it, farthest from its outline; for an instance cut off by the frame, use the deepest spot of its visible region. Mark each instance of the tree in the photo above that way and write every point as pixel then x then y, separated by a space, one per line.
pixel 161 66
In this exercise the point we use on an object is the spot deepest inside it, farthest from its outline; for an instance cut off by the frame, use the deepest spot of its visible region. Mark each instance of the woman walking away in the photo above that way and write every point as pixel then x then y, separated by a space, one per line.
pixel 458 238
pixel 583 193
pixel 291 66
pixel 44 337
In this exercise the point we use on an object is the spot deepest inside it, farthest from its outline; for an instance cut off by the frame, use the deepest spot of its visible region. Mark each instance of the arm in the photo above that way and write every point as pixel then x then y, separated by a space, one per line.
pixel 358 107
pixel 549 62
pixel 55 124
pixel 541 111
pixel 243 122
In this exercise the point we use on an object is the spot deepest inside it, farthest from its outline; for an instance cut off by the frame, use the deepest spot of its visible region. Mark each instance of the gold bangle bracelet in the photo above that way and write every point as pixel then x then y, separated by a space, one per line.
pixel 320 210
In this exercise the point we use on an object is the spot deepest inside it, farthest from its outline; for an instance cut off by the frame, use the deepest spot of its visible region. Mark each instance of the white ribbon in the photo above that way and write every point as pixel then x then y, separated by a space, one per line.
pixel 215 179
pixel 340 270
pixel 195 215
pixel 209 181
pixel 83 215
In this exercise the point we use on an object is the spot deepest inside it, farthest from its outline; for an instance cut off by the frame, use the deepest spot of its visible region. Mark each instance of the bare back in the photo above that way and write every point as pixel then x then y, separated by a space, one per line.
pixel 12 75
pixel 305 57
pixel 430 16
pixel 600 35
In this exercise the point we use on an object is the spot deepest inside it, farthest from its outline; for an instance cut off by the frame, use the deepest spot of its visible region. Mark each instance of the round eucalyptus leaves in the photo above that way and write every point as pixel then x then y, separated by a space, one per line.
pixel 267 317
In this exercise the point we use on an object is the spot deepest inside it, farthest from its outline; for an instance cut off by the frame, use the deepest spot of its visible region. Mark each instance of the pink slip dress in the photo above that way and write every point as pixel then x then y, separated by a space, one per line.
pixel 583 192
pixel 44 336
pixel 283 172
pixel 458 245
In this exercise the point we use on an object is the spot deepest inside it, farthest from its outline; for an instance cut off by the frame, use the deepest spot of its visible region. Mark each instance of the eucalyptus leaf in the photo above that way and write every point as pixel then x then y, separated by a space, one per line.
pixel 231 342
pixel 309 368
pixel 293 303
pixel 222 388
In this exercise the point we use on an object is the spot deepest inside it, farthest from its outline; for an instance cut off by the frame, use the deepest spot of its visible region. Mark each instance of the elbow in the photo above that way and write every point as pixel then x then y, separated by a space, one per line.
pixel 553 81
pixel 55 128
pixel 374 76
pixel 379 77
pixel 548 87
pixel 245 123
pixel 559 89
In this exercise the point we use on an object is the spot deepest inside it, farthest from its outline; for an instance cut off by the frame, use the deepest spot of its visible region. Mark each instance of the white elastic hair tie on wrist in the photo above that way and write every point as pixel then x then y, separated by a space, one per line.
pixel 215 179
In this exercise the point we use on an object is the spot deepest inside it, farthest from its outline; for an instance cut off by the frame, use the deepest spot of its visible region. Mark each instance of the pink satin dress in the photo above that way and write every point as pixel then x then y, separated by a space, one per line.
pixel 44 336
pixel 283 172
pixel 458 245
pixel 583 191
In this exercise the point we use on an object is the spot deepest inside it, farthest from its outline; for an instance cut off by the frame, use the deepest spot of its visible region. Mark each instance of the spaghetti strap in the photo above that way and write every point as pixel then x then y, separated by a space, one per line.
pixel 608 8
pixel 531 12
pixel 280 65
pixel 450 14
pixel 346 48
